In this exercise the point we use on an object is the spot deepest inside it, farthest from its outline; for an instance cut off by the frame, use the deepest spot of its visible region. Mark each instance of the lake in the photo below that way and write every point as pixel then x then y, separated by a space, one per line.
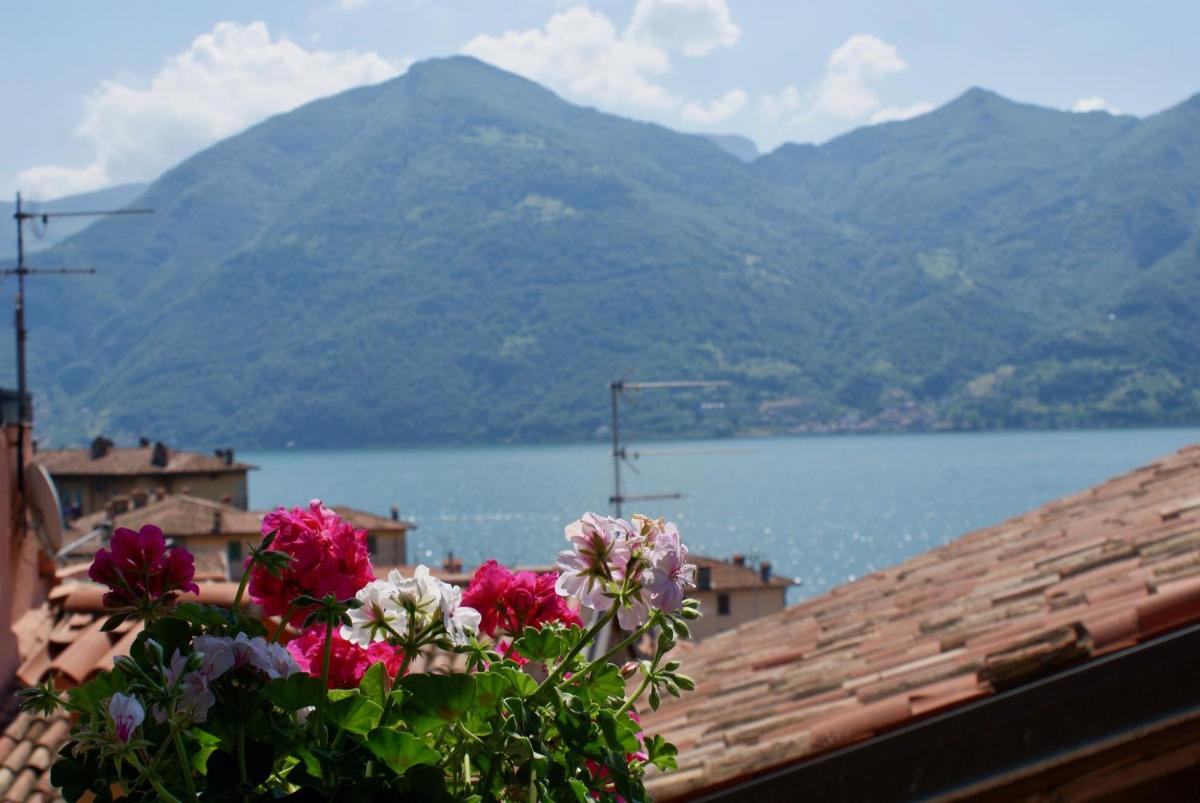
pixel 820 509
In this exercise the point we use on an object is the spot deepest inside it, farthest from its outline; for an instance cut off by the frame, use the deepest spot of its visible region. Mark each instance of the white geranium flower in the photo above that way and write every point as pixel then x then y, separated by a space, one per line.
pixel 380 614
pixel 460 621
pixel 422 593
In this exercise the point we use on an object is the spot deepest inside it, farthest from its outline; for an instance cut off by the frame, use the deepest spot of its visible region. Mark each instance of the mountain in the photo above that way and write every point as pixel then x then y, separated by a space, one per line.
pixel 41 237
pixel 739 146
pixel 458 255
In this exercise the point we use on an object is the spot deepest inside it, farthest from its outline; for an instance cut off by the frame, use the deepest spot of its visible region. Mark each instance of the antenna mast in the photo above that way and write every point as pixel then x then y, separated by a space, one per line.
pixel 24 413
pixel 619 453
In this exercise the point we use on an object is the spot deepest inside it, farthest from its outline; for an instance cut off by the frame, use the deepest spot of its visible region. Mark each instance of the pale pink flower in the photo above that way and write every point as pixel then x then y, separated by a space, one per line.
pixel 127 713
pixel 599 554
pixel 669 574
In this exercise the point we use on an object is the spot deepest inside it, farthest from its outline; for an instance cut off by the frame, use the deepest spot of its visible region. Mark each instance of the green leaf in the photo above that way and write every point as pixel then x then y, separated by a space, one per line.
pixel 400 750
pixel 661 753
pixel 295 692
pixel 354 713
pixel 490 689
pixel 544 645
pixel 522 684
pixel 374 684
pixel 437 700
pixel 114 621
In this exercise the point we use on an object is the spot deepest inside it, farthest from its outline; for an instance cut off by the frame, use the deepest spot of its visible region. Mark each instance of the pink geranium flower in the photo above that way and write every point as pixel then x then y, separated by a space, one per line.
pixel 127 713
pixel 328 556
pixel 140 571
pixel 669 575
pixel 347 660
pixel 599 553
pixel 511 602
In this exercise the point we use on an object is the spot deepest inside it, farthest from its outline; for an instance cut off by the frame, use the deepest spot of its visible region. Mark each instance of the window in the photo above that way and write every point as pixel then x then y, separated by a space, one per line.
pixel 233 551
pixel 722 604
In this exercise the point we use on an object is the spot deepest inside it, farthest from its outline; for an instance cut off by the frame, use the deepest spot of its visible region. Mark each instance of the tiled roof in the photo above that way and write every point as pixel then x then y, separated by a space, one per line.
pixel 131 461
pixel 728 576
pixel 182 515
pixel 1077 578
pixel 179 515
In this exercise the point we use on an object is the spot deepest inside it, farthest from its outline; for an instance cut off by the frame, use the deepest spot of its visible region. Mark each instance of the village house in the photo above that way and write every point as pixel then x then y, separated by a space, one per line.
pixel 87 479
pixel 219 535
pixel 731 593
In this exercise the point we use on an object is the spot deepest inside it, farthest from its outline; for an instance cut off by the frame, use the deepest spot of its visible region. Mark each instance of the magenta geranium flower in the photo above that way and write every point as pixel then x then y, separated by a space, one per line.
pixel 328 556
pixel 140 571
pixel 511 602
pixel 347 661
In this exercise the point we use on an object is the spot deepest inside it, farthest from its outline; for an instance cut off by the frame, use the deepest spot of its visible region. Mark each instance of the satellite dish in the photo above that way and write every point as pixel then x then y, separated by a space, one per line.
pixel 45 508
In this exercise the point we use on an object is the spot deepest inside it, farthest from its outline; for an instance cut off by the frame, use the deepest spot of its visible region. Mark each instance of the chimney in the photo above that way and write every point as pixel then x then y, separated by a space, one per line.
pixel 739 560
pixel 229 457
pixel 452 564
pixel 216 524
pixel 160 455
pixel 139 497
pixel 395 513
pixel 704 581
pixel 100 447
pixel 143 442
pixel 764 571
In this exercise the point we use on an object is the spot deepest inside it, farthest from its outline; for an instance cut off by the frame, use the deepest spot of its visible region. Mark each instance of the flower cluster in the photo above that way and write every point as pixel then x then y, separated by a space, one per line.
pixel 206 707
pixel 510 602
pixel 219 655
pixel 140 571
pixel 328 556
pixel 636 566
pixel 348 662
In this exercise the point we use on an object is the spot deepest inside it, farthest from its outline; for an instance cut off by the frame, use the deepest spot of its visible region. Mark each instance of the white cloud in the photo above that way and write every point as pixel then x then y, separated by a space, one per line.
pixel 1094 104
pixel 693 27
pixel 350 5
pixel 226 80
pixel 893 113
pixel 846 91
pixel 580 53
pixel 847 88
pixel 724 107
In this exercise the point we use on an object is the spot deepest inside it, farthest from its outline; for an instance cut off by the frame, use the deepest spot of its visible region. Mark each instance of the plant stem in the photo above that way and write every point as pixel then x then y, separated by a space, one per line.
pixel 237 598
pixel 185 766
pixel 241 751
pixel 633 698
pixel 633 637
pixel 155 783
pixel 283 623
pixel 583 642
pixel 325 662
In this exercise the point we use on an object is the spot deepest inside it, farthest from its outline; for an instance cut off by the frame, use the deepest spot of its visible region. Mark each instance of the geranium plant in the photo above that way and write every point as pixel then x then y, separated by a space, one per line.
pixel 210 704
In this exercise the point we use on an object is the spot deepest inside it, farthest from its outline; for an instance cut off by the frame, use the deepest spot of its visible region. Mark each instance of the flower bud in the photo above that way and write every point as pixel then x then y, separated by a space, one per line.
pixel 629 670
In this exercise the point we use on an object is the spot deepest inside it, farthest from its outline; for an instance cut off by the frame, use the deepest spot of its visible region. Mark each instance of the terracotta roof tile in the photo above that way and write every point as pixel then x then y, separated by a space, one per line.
pixel 1080 577
pixel 132 461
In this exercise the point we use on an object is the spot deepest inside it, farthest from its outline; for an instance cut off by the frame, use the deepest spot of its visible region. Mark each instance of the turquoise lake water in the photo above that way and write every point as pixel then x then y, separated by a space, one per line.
pixel 821 509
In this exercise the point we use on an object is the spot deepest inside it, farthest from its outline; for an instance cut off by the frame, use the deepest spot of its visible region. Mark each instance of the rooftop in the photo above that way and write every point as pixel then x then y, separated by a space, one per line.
pixel 1078 578
pixel 182 515
pixel 133 461
pixel 730 576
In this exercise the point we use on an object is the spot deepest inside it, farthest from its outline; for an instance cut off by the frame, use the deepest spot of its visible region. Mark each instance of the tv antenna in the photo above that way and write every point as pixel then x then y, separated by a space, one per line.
pixel 619 452
pixel 24 413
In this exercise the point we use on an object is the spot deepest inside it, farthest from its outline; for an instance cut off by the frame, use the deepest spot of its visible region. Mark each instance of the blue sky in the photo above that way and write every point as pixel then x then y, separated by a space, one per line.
pixel 100 93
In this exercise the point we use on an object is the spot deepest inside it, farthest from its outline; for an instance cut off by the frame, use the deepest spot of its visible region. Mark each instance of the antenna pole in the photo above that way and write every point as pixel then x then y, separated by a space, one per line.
pixel 24 411
pixel 615 388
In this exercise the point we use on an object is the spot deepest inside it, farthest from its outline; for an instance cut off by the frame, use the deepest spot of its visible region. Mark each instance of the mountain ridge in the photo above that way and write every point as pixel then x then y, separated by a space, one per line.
pixel 459 231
